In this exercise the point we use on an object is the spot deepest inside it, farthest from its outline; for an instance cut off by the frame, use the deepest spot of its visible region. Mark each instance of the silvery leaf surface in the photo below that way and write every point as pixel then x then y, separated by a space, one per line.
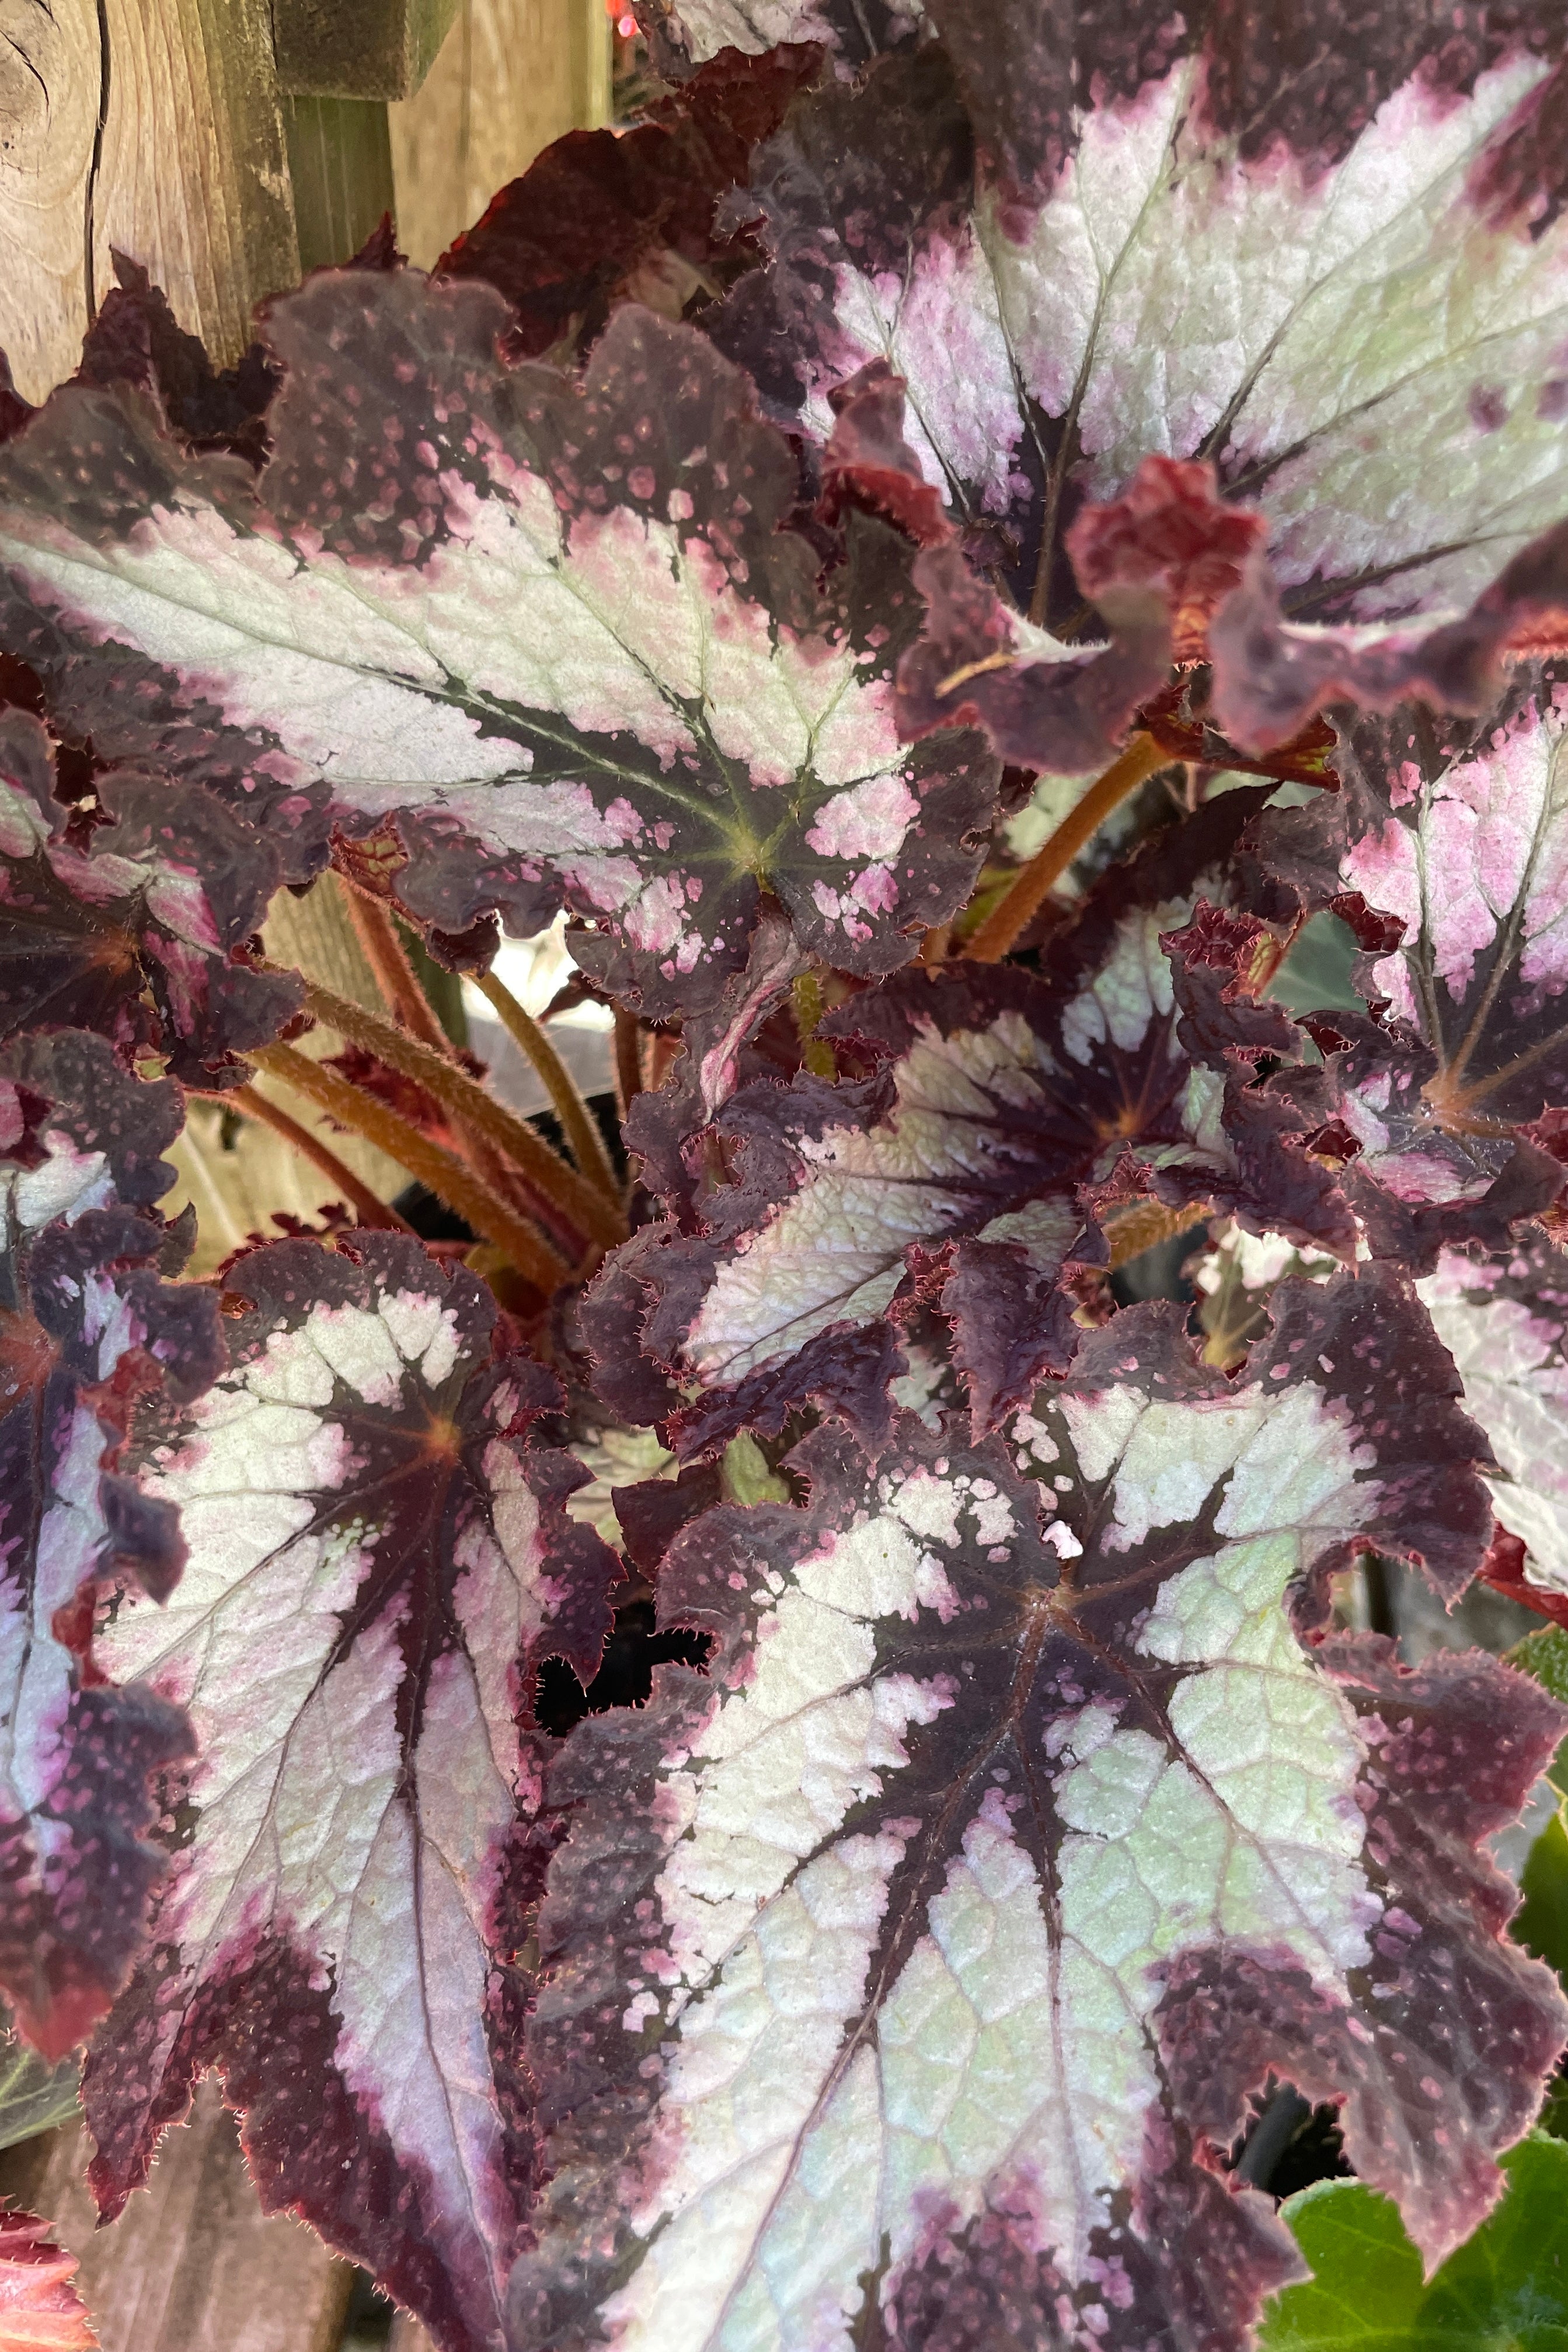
pixel 554 625
pixel 907 1974
pixel 379 1559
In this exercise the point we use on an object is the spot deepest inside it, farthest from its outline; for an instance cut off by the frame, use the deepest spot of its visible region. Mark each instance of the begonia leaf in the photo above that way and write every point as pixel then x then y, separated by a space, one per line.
pixel 852 31
pixel 86 1133
pixel 1118 266
pixel 378 1560
pixel 1503 1321
pixel 40 2310
pixel 603 216
pixel 1006 1106
pixel 1509 2284
pixel 1461 834
pixel 905 1976
pixel 92 1320
pixel 130 935
pixel 552 622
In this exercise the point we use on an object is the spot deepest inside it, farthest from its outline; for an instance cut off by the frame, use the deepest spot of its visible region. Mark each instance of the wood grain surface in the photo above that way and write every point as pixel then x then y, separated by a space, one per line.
pixel 193 2264
pixel 512 75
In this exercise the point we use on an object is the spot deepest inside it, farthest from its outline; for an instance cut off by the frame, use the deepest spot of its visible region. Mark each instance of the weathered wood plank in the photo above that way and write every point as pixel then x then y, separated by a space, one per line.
pixel 193 2264
pixel 193 182
pixel 358 48
pixel 48 119
pixel 512 75
pixel 162 138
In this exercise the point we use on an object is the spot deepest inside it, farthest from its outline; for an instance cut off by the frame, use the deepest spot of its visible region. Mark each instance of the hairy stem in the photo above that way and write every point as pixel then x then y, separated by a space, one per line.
pixel 446 1175
pixel 388 960
pixel 578 1124
pixel 629 1060
pixel 355 1189
pixel 544 1171
pixel 1005 924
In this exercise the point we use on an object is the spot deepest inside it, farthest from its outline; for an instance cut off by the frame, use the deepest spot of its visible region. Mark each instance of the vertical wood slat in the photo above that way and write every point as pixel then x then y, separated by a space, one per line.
pixel 512 76
pixel 191 2265
pixel 186 171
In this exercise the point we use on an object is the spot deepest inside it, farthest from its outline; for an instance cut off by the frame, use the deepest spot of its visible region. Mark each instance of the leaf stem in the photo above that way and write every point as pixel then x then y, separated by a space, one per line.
pixel 544 1171
pixel 578 1124
pixel 447 1176
pixel 1004 926
pixel 629 1060
pixel 394 976
pixel 368 1208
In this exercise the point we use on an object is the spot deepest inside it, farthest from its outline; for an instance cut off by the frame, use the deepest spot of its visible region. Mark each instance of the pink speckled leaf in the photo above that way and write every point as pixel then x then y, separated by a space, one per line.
pixel 1504 1320
pixel 86 1318
pixel 379 1559
pixel 1003 1108
pixel 1460 835
pixel 556 626
pixel 127 928
pixel 1322 253
pixel 906 1978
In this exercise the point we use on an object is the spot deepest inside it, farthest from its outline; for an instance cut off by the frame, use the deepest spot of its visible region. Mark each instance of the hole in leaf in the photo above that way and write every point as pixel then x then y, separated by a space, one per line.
pixel 625 1676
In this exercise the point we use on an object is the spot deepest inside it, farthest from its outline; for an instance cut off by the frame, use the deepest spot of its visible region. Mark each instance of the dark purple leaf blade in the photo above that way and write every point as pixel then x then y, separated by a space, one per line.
pixel 130 935
pixel 89 1319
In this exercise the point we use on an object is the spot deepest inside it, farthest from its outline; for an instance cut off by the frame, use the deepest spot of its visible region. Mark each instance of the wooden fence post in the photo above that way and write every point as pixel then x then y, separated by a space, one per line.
pixel 191 2265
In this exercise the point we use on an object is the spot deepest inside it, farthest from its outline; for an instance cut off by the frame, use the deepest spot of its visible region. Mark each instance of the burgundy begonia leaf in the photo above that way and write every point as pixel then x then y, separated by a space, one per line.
pixel 87 1133
pixel 604 216
pixel 1461 834
pixel 554 622
pixel 90 1321
pixel 906 1978
pixel 130 934
pixel 378 1559
pixel 135 339
pixel 1503 1319
pixel 1007 1106
pixel 1321 262
pixel 687 34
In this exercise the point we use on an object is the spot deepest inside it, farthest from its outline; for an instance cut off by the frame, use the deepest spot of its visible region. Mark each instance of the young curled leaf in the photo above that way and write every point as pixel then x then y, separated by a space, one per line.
pixel 555 625
pixel 40 2310
pixel 92 1321
pixel 906 1978
pixel 378 1560
pixel 131 933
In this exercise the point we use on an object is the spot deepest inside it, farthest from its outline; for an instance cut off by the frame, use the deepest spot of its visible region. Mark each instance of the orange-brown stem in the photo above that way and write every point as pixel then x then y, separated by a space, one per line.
pixel 493 1219
pixel 629 1060
pixel 1005 924
pixel 252 1105
pixel 578 1124
pixel 560 1190
pixel 394 975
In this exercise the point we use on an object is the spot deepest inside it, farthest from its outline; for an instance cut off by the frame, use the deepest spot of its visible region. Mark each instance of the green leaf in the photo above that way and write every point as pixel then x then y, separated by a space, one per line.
pixel 1540 1923
pixel 34 2095
pixel 1544 1657
pixel 1505 2290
